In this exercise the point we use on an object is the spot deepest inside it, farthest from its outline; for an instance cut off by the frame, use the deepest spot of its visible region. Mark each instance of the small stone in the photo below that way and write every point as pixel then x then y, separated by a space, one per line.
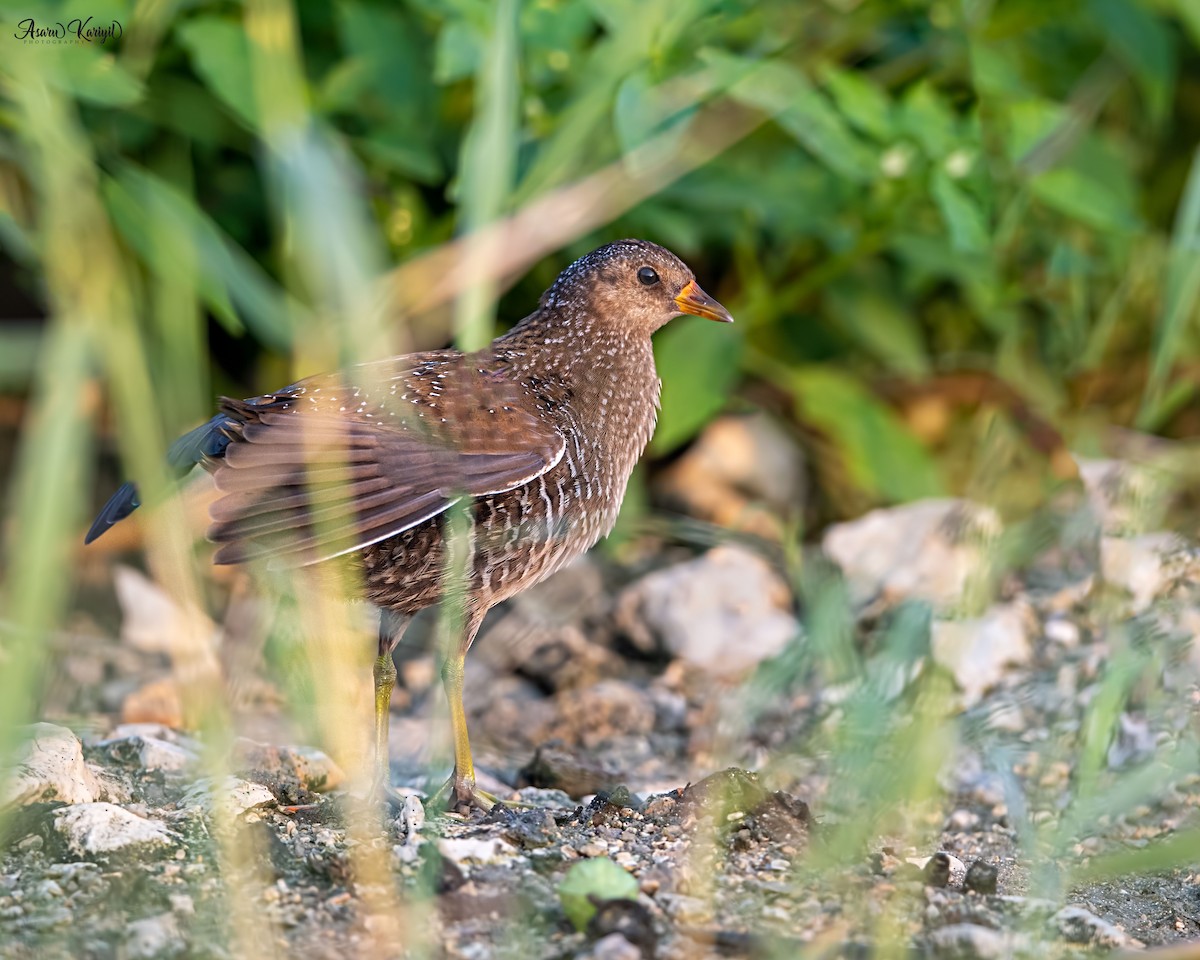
pixel 615 947
pixel 159 702
pixel 150 753
pixel 49 888
pixel 939 870
pixel 228 798
pixel 1079 925
pixel 977 651
pixel 1141 566
pixel 311 769
pixel 463 850
pixel 962 821
pixel 692 609
pixel 933 550
pixel 982 878
pixel 182 904
pixel 1062 631
pixel 969 941
pixel 50 767
pixel 1134 743
pixel 152 938
pixel 106 830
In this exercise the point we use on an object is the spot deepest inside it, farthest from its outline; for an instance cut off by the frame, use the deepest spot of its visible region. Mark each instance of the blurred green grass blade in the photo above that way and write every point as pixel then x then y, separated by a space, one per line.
pixel 781 90
pixel 964 218
pixel 1175 851
pixel 1145 44
pixel 699 363
pixel 881 455
pixel 46 512
pixel 860 101
pixel 927 118
pixel 488 166
pixel 219 49
pixel 868 310
pixel 1179 300
pixel 226 275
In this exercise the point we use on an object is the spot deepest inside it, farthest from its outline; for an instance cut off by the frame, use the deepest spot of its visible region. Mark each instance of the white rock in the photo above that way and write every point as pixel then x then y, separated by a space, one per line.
pixel 153 622
pixel 958 869
pixel 1079 925
pixel 969 941
pixel 725 611
pixel 154 937
pixel 103 829
pixel 933 550
pixel 1125 497
pixel 50 766
pixel 228 798
pixel 151 752
pixel 615 947
pixel 463 850
pixel 1142 566
pixel 976 651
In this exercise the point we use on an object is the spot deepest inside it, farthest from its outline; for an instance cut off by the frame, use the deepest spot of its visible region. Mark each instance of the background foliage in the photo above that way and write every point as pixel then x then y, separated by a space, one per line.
pixel 921 190
pixel 960 238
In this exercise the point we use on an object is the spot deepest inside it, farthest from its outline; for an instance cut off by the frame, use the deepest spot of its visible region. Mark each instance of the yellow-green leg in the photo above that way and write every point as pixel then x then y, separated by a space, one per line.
pixel 460 789
pixel 391 628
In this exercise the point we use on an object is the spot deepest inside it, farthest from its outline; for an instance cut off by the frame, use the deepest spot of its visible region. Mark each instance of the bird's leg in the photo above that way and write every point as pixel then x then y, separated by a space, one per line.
pixel 391 628
pixel 460 790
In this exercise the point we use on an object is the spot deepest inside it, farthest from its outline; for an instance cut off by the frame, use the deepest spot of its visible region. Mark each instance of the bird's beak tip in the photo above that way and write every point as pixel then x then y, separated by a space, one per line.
pixel 693 300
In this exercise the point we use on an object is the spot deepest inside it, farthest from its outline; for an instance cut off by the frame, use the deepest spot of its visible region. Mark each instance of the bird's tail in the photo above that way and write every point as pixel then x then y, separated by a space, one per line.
pixel 207 442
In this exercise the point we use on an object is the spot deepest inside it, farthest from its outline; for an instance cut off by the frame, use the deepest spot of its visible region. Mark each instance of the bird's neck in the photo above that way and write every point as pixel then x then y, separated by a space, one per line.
pixel 609 372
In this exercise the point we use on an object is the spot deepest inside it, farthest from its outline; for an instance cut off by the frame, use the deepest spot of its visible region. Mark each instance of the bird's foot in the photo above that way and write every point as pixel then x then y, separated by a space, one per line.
pixel 386 797
pixel 460 795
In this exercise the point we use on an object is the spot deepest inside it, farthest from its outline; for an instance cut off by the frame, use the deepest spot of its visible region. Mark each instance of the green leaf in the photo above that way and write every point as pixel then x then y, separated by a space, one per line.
pixel 963 216
pixel 880 454
pixel 1074 192
pixel 875 316
pixel 785 93
pixel 95 75
pixel 459 51
pixel 928 120
pixel 220 54
pixel 698 362
pixel 145 208
pixel 600 878
pixel 1145 45
pixel 860 101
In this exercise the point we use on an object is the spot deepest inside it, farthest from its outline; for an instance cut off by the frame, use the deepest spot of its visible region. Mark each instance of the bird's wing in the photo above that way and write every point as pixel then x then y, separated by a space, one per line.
pixel 324 468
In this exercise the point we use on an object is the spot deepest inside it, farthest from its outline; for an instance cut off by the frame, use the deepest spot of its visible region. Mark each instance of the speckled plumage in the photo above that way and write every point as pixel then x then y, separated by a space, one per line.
pixel 541 430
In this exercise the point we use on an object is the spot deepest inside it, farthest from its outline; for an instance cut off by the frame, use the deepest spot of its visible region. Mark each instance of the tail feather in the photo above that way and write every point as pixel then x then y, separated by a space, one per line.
pixel 120 505
pixel 207 442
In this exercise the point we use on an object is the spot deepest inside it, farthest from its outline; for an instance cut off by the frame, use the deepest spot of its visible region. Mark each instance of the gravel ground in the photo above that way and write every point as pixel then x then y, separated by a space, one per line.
pixel 601 708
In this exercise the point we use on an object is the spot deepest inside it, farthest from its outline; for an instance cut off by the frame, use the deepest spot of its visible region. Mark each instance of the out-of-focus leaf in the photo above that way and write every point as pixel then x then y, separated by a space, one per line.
pixel 964 218
pixel 927 119
pixel 220 54
pixel 698 362
pixel 1145 46
pixel 861 102
pixel 459 49
pixel 1029 123
pixel 782 91
pixel 97 76
pixel 225 274
pixel 1076 193
pixel 880 454
pixel 876 319
pixel 1182 296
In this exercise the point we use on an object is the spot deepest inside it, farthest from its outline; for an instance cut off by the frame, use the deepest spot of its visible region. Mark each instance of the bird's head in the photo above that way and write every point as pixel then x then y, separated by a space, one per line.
pixel 634 285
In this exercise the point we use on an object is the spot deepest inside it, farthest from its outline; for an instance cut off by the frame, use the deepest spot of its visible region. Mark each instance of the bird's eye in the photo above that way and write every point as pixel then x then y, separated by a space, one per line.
pixel 648 276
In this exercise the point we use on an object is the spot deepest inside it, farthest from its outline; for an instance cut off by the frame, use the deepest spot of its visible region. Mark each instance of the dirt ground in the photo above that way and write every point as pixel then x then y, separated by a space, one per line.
pixel 727 787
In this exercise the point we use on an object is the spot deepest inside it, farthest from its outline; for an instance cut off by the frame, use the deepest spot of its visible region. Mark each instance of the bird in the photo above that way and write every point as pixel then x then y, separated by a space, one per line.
pixel 532 440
